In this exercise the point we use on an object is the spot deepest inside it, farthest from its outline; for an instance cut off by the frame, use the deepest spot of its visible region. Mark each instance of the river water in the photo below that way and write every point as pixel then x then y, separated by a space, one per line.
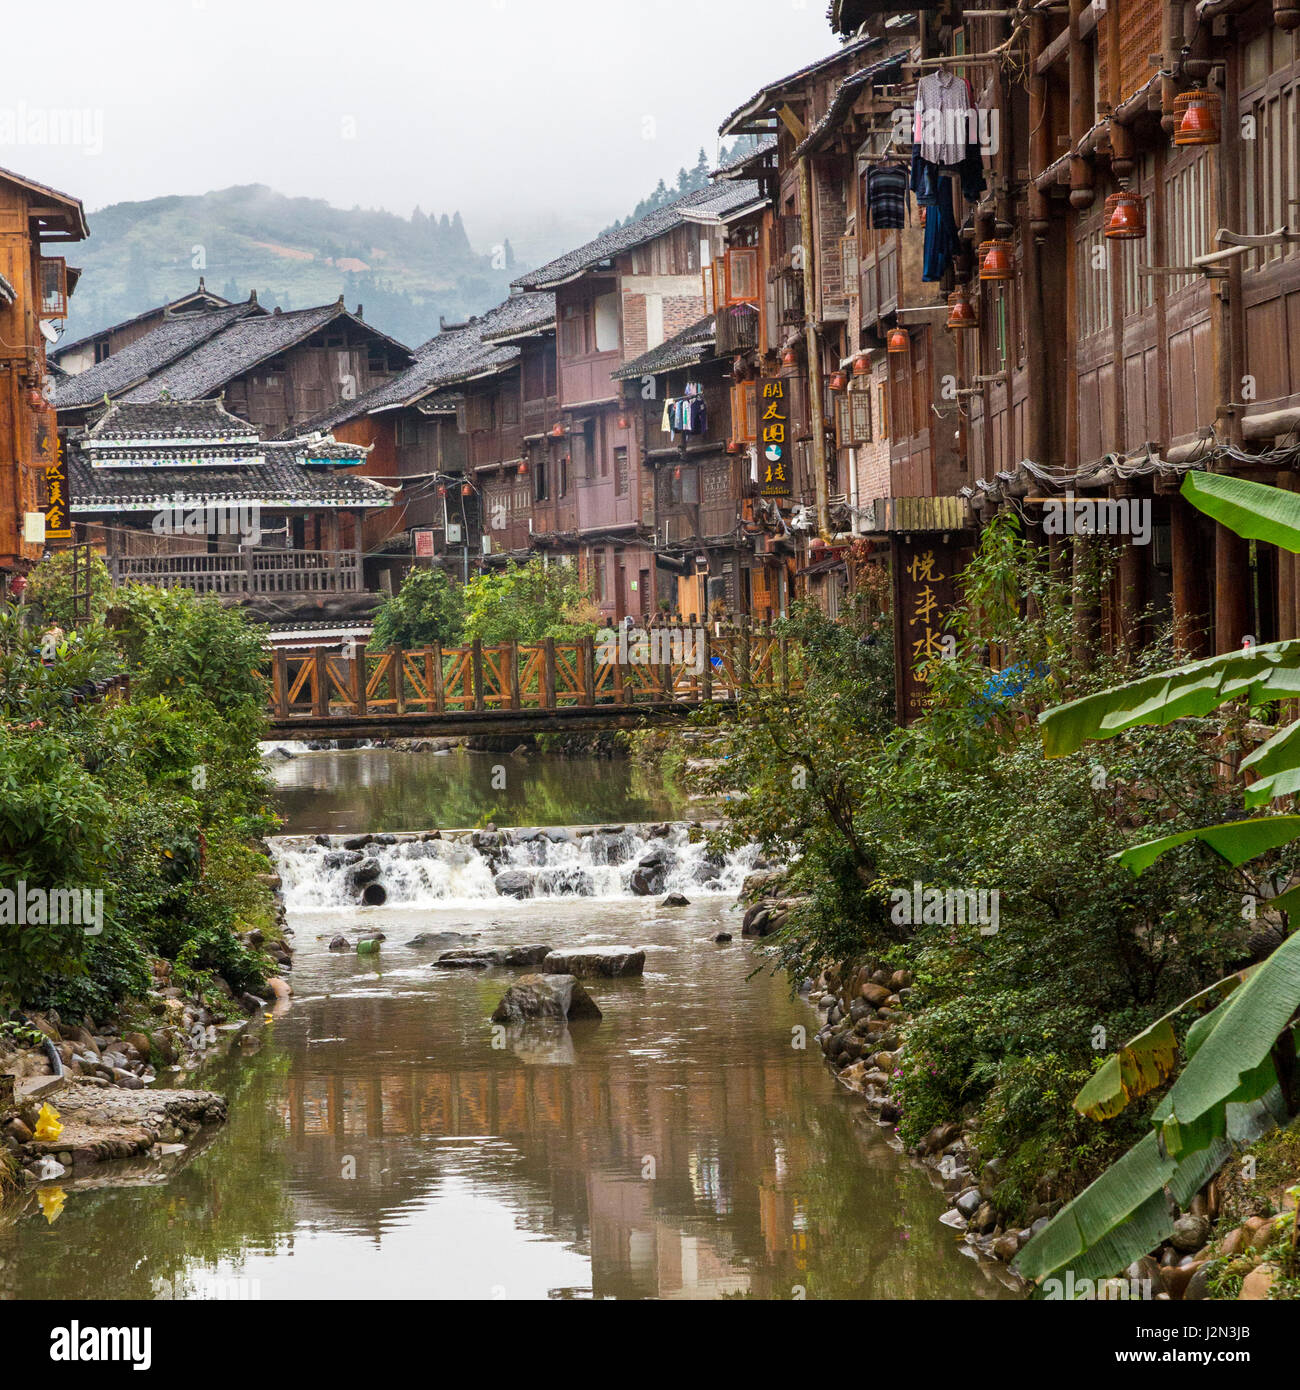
pixel 385 1143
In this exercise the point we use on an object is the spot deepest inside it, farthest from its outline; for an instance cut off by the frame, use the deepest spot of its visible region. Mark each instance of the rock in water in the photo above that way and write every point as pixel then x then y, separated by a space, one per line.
pixel 544 996
pixel 675 900
pixel 593 961
pixel 514 883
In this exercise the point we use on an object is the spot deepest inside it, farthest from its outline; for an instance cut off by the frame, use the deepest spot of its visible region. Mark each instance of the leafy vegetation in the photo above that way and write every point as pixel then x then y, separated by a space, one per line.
pixel 159 803
pixel 1007 1025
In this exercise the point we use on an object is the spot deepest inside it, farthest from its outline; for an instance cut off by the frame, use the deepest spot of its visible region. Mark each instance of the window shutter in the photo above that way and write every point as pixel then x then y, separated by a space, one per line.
pixel 860 409
pixel 849 258
pixel 742 276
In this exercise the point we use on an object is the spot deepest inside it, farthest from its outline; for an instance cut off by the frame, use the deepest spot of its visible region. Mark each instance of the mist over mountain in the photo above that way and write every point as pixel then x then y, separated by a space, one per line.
pixel 294 252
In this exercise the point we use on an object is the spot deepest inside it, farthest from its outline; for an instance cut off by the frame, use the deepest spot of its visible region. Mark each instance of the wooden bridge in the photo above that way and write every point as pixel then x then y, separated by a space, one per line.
pixel 522 687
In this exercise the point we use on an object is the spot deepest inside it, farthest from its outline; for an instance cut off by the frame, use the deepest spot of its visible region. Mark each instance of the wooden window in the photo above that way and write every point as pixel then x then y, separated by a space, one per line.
pixel 573 330
pixel 542 476
pixel 860 416
pixel 621 472
pixel 509 407
pixel 744 411
pixel 606 313
pixel 1092 276
pixel 849 263
pixel 481 413
pixel 1187 218
pixel 54 287
pixel 742 277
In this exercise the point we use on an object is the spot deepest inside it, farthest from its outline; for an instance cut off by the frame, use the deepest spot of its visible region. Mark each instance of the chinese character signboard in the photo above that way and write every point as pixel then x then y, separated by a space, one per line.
pixel 925 569
pixel 774 439
pixel 58 519
pixel 424 547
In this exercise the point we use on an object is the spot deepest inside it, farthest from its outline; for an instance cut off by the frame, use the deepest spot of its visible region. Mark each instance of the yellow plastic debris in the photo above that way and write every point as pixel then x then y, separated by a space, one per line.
pixel 51 1200
pixel 48 1127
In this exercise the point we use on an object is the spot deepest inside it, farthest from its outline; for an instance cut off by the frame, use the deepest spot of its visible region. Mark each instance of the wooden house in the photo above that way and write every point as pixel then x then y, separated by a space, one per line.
pixel 76 356
pixel 34 289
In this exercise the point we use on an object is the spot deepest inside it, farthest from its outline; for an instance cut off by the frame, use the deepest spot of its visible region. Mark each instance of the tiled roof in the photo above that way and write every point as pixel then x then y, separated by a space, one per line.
pixel 685 349
pixel 130 420
pixel 762 99
pixel 218 360
pixel 77 214
pixel 736 168
pixel 845 95
pixel 281 480
pixel 704 204
pixel 135 362
pixel 170 308
pixel 455 355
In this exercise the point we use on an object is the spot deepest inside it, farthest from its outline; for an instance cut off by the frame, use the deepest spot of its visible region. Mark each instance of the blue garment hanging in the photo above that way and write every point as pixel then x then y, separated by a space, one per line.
pixel 941 240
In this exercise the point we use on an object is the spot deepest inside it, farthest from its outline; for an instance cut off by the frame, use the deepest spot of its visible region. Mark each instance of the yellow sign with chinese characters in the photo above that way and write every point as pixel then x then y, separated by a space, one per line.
pixel 774 440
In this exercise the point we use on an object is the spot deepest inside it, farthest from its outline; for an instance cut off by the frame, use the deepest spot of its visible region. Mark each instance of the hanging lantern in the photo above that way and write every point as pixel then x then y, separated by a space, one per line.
pixel 677 474
pixel 466 490
pixel 557 430
pixel 622 422
pixel 733 446
pixel 1126 216
pixel 961 313
pixel 523 468
pixel 996 260
pixel 898 340
pixel 789 357
pixel 1196 118
pixel 442 489
pixel 861 364
pixel 839 381
pixel 35 399
pixel 739 369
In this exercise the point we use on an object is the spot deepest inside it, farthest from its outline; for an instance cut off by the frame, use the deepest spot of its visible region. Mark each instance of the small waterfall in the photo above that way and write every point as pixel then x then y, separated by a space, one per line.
pixel 469 866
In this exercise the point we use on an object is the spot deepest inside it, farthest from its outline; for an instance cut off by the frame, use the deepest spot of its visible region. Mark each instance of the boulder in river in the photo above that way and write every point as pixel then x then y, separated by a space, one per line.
pixel 545 996
pixel 675 900
pixel 442 938
pixel 590 962
pixel 468 958
pixel 340 943
pixel 514 883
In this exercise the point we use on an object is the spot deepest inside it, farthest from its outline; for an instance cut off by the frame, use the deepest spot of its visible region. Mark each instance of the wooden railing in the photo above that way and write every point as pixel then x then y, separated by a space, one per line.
pixel 245 572
pixel 675 666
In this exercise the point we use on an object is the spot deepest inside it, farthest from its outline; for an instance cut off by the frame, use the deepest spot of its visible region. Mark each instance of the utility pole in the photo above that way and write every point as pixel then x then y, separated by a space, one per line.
pixel 815 402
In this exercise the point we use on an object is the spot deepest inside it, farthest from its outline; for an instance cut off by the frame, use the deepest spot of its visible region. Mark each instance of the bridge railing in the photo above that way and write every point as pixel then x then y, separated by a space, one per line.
pixel 664 666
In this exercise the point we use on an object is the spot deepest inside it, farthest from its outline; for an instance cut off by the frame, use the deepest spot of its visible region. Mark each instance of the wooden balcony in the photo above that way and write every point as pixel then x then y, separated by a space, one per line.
pixel 252 572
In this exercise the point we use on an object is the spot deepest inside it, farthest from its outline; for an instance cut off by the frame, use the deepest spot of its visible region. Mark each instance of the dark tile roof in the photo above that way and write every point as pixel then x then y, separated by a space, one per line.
pixel 236 350
pixel 135 362
pixel 845 95
pixel 133 420
pixel 166 309
pixel 685 349
pixel 452 356
pixel 704 204
pixel 762 99
pixel 743 163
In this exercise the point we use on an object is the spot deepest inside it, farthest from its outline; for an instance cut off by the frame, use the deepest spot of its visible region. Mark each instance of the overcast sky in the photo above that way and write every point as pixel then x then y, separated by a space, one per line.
pixel 512 111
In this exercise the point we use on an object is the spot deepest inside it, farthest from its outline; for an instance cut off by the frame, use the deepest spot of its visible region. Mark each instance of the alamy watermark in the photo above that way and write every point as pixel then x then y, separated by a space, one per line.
pixel 1098 516
pixel 242 521
pixel 81 126
pixel 919 906
pixel 661 646
pixel 971 126
pixel 37 907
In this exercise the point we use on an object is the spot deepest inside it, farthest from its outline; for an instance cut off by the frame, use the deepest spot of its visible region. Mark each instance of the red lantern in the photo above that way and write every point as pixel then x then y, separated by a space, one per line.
pixel 1196 116
pixel 1126 216
pixel 523 468
pixel 557 430
pixel 839 381
pixel 789 357
pixel 677 474
pixel 996 260
pixel 622 422
pixel 898 340
pixel 733 446
pixel 961 313
pixel 466 490
pixel 35 399
pixel 442 489
pixel 861 364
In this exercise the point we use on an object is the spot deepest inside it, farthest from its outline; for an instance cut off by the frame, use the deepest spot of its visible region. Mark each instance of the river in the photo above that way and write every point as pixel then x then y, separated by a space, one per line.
pixel 383 1143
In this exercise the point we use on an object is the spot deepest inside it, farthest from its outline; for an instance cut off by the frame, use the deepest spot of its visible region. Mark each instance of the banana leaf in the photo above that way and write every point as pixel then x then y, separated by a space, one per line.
pixel 1145 1061
pixel 1269 672
pixel 1253 510
pixel 1229 1053
pixel 1234 840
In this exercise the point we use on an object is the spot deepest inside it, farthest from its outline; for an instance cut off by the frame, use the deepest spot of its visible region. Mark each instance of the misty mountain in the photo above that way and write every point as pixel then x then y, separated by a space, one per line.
pixel 295 252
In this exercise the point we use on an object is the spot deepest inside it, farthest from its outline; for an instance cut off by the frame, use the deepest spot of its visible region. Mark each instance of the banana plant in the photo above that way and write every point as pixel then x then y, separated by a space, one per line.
pixel 1238 1078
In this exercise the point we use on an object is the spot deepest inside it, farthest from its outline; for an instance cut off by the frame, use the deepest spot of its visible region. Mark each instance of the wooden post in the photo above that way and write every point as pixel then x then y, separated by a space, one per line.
pixel 397 679
pixel 439 690
pixel 1191 608
pixel 548 687
pixel 320 703
pixel 512 673
pixel 359 681
pixel 588 658
pixel 706 676
pixel 742 657
pixel 280 682
pixel 1131 585
pixel 620 689
pixel 1231 578
pixel 476 658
